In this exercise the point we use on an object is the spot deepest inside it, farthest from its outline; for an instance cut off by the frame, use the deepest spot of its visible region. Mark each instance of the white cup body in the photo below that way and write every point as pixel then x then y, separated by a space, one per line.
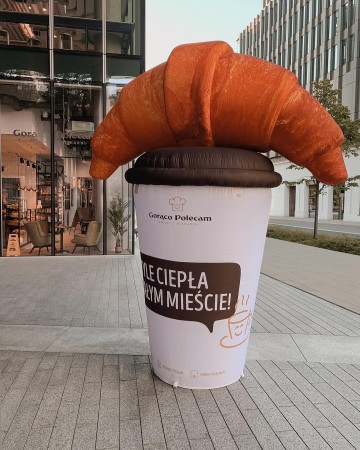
pixel 202 250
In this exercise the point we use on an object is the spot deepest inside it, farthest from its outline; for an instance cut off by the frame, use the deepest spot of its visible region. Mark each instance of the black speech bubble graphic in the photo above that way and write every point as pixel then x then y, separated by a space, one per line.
pixel 198 292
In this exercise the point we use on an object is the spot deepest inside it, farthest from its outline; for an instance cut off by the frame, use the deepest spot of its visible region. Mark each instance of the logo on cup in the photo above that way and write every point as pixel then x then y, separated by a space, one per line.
pixel 238 327
pixel 177 203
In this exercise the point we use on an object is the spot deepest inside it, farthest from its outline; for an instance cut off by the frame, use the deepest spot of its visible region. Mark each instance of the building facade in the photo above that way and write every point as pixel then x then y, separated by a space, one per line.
pixel 62 66
pixel 315 39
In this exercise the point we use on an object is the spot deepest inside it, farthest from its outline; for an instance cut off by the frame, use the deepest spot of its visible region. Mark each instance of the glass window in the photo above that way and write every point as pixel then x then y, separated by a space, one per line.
pixel 284 58
pixel 24 63
pixel 25 142
pixel 329 3
pixel 306 43
pixel 91 9
pixel 294 53
pixel 32 7
pixel 334 57
pixel 335 23
pixel 77 68
pixel 300 74
pixel 302 16
pixel 328 61
pixel 314 38
pixel 307 12
pixel 343 51
pixel 284 32
pixel 271 17
pixel 315 7
pixel 77 114
pixel 280 8
pixel 313 69
pixel 289 56
pixel 305 74
pixel 345 12
pixel 295 23
pixel 301 46
pixel 79 39
pixel 127 12
pixel 319 28
pixel 318 66
pixel 24 34
pixel 352 12
pixel 290 26
pixel 351 47
pixel 329 27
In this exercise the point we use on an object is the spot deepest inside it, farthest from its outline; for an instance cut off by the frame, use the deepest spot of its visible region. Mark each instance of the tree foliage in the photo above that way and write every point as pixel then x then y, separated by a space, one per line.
pixel 329 97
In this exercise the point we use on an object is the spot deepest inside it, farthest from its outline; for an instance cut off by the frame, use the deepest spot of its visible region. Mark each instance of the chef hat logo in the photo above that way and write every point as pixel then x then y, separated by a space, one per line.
pixel 177 203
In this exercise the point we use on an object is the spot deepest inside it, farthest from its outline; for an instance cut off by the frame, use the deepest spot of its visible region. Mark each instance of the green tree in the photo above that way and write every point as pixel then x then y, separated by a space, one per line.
pixel 329 97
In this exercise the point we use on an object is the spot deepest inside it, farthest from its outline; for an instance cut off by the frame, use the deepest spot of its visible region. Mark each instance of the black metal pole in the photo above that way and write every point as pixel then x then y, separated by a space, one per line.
pixel 317 190
pixel 52 163
pixel 104 190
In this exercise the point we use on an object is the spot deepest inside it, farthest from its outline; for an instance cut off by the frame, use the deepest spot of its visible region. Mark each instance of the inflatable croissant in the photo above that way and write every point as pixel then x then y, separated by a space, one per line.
pixel 206 95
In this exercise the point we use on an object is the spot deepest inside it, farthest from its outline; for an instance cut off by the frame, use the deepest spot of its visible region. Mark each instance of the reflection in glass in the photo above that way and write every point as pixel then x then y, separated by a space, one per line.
pixel 24 7
pixel 23 34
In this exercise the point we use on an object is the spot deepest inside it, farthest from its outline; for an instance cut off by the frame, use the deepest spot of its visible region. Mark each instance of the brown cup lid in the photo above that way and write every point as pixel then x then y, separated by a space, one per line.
pixel 204 166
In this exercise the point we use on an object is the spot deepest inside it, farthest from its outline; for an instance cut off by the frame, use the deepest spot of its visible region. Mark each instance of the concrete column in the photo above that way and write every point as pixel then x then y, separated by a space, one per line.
pixel 280 201
pixel 302 201
pixel 326 203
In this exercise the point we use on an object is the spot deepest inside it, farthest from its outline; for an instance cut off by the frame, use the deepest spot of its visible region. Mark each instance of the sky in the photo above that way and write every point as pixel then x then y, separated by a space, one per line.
pixel 173 22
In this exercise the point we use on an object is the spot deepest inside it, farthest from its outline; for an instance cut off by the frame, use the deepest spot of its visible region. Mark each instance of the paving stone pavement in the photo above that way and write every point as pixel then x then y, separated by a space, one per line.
pixel 301 388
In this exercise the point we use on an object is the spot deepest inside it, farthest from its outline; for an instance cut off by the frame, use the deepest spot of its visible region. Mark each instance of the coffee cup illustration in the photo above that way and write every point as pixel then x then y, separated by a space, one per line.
pixel 238 329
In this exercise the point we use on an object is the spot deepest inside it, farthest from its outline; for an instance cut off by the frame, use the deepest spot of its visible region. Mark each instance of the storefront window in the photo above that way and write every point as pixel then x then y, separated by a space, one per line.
pixel 77 113
pixel 118 190
pixel 52 88
pixel 25 144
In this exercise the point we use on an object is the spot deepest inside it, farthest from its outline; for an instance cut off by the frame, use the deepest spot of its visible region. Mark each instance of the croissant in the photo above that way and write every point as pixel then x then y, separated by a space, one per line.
pixel 206 95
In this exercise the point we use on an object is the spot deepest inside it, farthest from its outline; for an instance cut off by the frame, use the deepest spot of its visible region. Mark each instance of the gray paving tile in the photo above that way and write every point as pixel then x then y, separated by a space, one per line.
pixel 174 429
pixel 241 397
pixel 129 403
pixel 201 444
pixel 335 439
pixel 195 426
pixel 144 380
pixel 262 430
pixel 84 437
pixel 9 406
pixel 62 436
pixel 127 367
pixel 130 435
pixel 230 412
pixel 20 427
pixel 151 425
pixel 291 440
pixel 38 438
pixel 178 445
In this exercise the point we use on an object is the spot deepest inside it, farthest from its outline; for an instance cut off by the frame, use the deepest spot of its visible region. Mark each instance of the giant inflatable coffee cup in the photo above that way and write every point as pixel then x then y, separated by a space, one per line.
pixel 202 202
pixel 202 215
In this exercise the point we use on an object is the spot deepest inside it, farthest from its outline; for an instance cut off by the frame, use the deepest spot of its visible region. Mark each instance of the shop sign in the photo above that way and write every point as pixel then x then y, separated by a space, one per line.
pixel 24 133
pixel 13 248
